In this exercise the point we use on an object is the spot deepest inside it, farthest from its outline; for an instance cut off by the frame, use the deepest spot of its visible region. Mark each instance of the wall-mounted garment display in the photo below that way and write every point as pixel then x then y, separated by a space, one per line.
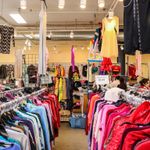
pixel 32 73
pixel 7 71
pixel 110 29
pixel 137 26
pixel 6 35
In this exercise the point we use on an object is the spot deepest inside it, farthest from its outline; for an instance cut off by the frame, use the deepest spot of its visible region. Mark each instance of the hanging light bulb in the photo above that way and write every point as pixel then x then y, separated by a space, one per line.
pixel 26 42
pixel 24 48
pixel 101 3
pixel 23 4
pixel 50 35
pixel 29 43
pixel 83 4
pixel 61 4
pixel 71 34
pixel 121 47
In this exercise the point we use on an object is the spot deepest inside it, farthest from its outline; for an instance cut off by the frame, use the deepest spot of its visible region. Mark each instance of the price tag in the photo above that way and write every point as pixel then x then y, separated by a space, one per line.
pixel 102 79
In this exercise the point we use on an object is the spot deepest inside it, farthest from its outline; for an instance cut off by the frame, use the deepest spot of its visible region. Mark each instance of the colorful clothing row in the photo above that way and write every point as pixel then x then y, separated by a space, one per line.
pixel 32 126
pixel 117 125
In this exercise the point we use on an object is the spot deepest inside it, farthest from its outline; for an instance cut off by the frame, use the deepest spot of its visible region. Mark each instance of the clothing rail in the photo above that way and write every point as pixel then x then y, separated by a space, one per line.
pixel 131 99
pixel 10 91
pixel 15 103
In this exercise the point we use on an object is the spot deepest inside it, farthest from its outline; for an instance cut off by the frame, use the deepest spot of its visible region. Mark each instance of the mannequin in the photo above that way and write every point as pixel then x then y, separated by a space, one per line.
pixel 110 14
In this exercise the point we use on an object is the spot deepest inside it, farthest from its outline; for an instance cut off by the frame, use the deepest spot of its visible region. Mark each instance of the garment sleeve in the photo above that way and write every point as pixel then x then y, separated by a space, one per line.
pixel 117 25
pixel 103 27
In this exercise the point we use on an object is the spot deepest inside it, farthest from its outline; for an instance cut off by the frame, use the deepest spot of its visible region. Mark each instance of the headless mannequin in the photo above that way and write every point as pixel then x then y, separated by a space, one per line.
pixel 110 14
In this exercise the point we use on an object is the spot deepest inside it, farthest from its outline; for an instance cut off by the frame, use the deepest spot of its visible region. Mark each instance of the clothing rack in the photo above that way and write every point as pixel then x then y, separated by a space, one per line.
pixel 15 103
pixel 131 99
pixel 10 91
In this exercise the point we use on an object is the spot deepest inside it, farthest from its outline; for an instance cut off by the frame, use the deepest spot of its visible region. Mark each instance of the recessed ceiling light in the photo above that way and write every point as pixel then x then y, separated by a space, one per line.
pixel 83 4
pixel 23 4
pixel 18 18
pixel 61 4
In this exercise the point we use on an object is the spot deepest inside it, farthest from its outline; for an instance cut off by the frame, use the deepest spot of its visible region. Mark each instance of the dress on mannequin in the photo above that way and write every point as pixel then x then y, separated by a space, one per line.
pixel 110 29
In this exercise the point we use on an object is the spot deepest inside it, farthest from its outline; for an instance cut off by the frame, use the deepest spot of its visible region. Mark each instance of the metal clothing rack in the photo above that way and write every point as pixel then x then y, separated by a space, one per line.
pixel 15 103
pixel 131 99
pixel 10 91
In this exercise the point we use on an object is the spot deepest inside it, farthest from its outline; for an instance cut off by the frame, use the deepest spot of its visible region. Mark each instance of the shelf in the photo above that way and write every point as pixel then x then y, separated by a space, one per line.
pixel 94 60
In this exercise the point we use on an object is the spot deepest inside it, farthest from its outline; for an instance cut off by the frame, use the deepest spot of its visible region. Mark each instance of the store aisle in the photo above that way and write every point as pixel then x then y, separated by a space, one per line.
pixel 71 139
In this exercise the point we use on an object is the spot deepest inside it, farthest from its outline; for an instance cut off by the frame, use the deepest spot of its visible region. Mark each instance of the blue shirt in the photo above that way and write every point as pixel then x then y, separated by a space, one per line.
pixel 44 121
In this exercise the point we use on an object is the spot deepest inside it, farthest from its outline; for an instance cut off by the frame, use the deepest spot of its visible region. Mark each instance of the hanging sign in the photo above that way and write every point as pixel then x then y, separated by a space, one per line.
pixel 102 79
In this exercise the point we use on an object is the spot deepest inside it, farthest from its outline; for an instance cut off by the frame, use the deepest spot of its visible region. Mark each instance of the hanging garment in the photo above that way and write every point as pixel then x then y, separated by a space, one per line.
pixel 138 64
pixel 98 36
pixel 18 65
pixel 72 59
pixel 42 45
pixel 137 26
pixel 106 65
pixel 6 34
pixel 3 71
pixel 110 29
pixel 132 71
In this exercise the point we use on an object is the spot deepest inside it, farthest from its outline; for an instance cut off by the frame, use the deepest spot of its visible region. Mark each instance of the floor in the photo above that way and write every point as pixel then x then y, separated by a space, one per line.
pixel 71 139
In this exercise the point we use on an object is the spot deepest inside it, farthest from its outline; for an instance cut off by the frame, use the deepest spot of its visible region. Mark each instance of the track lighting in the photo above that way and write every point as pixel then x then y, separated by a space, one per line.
pixel 82 4
pixel 101 3
pixel 23 4
pixel 61 4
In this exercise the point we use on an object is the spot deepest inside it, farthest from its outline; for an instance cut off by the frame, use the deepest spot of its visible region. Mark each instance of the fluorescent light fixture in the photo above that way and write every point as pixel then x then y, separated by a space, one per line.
pixel 61 4
pixel 18 18
pixel 29 36
pixel 71 35
pixel 23 4
pixel 120 0
pixel 101 3
pixel 83 4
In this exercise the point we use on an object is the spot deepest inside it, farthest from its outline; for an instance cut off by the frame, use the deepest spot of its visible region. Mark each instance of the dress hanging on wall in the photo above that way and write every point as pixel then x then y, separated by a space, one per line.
pixel 110 29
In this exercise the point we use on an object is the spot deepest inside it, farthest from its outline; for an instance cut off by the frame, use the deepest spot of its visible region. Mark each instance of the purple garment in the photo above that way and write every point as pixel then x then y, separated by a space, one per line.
pixel 27 123
pixel 72 59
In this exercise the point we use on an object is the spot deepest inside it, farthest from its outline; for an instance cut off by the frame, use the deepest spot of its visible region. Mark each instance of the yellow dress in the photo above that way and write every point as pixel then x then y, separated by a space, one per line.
pixel 110 29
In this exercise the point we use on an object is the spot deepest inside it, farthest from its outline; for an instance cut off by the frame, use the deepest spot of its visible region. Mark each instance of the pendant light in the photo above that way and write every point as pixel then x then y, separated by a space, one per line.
pixel 101 3
pixel 83 4
pixel 50 35
pixel 23 4
pixel 71 34
pixel 61 4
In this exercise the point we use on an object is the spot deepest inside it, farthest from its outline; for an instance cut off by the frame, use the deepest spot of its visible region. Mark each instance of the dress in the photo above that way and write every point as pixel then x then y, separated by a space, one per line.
pixel 137 26
pixel 110 29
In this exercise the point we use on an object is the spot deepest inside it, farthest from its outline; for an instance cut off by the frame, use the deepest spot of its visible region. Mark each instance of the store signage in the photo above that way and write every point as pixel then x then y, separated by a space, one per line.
pixel 102 79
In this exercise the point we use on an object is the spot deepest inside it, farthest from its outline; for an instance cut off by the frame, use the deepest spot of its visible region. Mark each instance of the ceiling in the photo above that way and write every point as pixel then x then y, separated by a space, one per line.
pixel 72 17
